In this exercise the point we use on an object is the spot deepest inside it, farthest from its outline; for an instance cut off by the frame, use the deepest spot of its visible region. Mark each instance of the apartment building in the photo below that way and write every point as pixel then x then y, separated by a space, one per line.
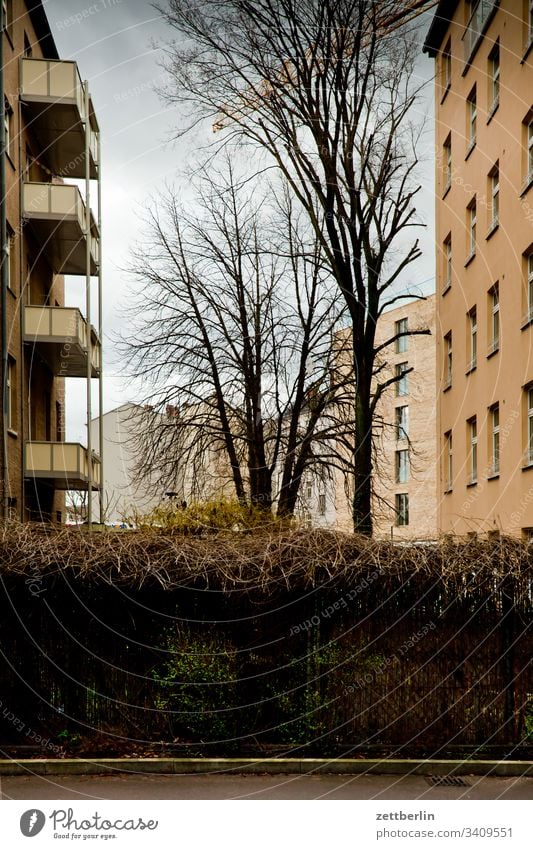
pixel 49 139
pixel 483 54
pixel 404 498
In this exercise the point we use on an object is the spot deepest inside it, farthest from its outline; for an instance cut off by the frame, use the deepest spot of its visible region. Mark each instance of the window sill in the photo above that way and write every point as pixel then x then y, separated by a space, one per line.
pixel 470 257
pixel 527 466
pixel 11 162
pixel 446 289
pixel 12 292
pixel 492 229
pixel 447 386
pixel 472 367
pixel 494 348
pixel 448 490
pixel 471 483
pixel 493 476
pixel 12 433
pixel 469 149
pixel 447 188
pixel 526 322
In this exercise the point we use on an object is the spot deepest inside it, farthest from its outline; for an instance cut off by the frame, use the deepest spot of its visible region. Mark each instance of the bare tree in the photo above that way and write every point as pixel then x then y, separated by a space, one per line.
pixel 231 334
pixel 326 89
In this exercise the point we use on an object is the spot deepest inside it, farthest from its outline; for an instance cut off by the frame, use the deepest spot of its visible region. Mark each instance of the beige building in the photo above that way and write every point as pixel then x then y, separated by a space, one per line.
pixel 484 230
pixel 405 475
pixel 49 137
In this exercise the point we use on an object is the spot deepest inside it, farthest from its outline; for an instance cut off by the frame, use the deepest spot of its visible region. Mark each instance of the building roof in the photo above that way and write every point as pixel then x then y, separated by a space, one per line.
pixel 439 26
pixel 42 28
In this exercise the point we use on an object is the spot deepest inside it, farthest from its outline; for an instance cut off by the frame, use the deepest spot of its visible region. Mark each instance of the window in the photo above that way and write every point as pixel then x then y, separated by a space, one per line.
pixel 530 22
pixel 448 360
pixel 471 105
pixel 402 387
pixel 448 459
pixel 402 423
pixel 11 402
pixel 494 77
pixel 27 46
pixel 309 491
pixel 494 423
pixel 402 466
pixel 448 263
pixel 402 509
pixel 472 339
pixel 527 535
pixel 529 291
pixel 472 450
pixel 494 182
pixel 530 151
pixel 529 449
pixel 8 128
pixel 494 318
pixel 447 163
pixel 472 225
pixel 446 67
pixel 7 6
pixel 401 327
pixel 11 258
pixel 322 504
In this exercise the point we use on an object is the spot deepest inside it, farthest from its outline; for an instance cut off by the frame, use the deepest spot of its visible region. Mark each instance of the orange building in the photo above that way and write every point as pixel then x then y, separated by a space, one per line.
pixel 49 136
pixel 484 231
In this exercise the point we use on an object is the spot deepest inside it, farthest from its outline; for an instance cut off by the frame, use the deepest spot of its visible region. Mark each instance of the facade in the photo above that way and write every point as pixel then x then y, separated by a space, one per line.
pixel 405 477
pixel 49 137
pixel 484 212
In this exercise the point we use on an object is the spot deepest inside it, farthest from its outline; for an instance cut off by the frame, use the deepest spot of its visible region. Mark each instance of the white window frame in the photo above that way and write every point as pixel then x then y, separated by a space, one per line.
pixel 402 423
pixel 472 118
pixel 495 439
pixel 447 163
pixel 448 360
pixel 494 60
pixel 448 252
pixel 472 212
pixel 529 449
pixel 402 509
pixel 495 195
pixel 401 326
pixel 472 326
pixel 449 459
pixel 402 466
pixel 472 438
pixel 447 67
pixel 529 313
pixel 495 318
pixel 402 385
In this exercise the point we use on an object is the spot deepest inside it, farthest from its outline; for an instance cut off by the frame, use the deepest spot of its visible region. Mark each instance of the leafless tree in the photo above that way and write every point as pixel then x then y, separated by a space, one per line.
pixel 325 88
pixel 231 334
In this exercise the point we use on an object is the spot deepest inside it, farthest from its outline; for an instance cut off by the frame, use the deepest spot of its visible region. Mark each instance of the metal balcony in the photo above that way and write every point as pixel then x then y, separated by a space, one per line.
pixel 56 214
pixel 66 464
pixel 60 334
pixel 53 95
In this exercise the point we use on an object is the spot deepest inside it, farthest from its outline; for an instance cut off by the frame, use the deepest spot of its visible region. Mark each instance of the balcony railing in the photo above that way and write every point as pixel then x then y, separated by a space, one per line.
pixel 56 213
pixel 54 99
pixel 61 334
pixel 67 464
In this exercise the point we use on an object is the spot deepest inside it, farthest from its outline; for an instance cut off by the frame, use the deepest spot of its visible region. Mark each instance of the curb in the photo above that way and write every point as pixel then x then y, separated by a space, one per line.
pixel 256 766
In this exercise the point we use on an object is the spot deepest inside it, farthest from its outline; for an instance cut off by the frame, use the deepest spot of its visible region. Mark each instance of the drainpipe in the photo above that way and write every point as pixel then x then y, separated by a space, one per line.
pixel 4 261
pixel 88 305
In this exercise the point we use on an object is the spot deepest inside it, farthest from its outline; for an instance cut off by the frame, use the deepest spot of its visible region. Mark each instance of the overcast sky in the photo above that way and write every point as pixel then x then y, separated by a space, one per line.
pixel 117 44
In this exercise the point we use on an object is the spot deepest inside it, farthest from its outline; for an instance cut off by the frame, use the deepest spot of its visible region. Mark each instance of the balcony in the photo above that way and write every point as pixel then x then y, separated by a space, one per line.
pixel 60 334
pixel 56 214
pixel 66 464
pixel 54 100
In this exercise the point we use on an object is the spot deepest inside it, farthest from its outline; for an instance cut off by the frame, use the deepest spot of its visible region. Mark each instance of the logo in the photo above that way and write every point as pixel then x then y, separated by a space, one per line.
pixel 32 822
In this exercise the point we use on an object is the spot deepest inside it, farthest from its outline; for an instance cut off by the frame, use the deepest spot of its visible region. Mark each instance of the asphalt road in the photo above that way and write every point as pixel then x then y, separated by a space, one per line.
pixel 259 787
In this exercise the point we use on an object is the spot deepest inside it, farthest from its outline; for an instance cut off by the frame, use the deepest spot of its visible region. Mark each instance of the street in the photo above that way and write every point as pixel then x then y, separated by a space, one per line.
pixel 294 787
